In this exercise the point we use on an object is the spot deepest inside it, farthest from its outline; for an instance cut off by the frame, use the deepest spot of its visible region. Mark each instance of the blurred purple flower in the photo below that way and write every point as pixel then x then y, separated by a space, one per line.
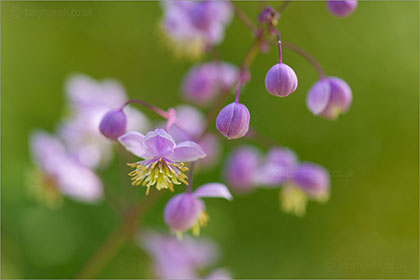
pixel 277 168
pixel 241 167
pixel 89 102
pixel 310 181
pixel 60 173
pixel 164 159
pixel 205 81
pixel 341 8
pixel 187 211
pixel 181 259
pixel 211 146
pixel 193 26
pixel 329 97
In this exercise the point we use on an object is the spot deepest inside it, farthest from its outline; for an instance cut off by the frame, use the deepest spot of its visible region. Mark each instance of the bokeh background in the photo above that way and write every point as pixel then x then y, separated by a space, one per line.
pixel 369 228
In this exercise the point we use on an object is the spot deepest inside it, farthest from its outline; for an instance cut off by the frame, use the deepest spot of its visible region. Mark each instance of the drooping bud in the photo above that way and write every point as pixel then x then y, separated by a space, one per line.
pixel 281 80
pixel 313 179
pixel 182 211
pixel 269 15
pixel 113 124
pixel 341 8
pixel 329 97
pixel 233 120
pixel 241 168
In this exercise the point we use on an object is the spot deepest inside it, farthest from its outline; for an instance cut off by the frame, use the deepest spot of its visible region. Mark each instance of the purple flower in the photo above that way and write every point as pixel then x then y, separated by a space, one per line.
pixel 241 167
pixel 329 97
pixel 180 259
pixel 281 80
pixel 277 168
pixel 269 15
pixel 186 211
pixel 190 123
pixel 59 173
pixel 313 179
pixel 113 124
pixel 192 26
pixel 211 146
pixel 310 181
pixel 163 163
pixel 341 8
pixel 89 101
pixel 205 81
pixel 233 121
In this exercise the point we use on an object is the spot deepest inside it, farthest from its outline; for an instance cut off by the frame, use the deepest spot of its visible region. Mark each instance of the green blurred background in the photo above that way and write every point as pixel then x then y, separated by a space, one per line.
pixel 369 228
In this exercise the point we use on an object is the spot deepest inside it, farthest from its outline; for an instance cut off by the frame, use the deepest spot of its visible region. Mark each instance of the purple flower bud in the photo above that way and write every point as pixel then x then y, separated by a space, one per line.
pixel 113 124
pixel 268 15
pixel 233 120
pixel 313 179
pixel 329 97
pixel 182 211
pixel 281 80
pixel 240 168
pixel 341 8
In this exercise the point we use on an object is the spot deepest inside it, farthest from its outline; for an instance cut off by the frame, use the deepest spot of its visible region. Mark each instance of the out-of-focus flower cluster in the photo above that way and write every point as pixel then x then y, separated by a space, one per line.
pixel 66 161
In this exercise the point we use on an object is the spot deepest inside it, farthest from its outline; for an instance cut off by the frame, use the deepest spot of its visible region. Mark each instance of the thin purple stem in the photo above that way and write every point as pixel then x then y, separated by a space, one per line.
pixel 238 89
pixel 151 107
pixel 279 42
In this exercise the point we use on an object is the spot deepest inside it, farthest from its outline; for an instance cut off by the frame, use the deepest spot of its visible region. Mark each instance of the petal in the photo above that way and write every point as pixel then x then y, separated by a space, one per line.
pixel 187 151
pixel 213 190
pixel 133 142
pixel 159 143
pixel 318 97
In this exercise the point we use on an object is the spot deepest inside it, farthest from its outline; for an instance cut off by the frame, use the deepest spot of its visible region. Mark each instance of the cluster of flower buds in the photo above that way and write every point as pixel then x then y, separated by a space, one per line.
pixel 246 169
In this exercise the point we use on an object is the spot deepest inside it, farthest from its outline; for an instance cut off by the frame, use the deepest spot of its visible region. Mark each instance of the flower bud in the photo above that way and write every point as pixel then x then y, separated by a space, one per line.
pixel 313 179
pixel 113 124
pixel 341 8
pixel 329 97
pixel 269 15
pixel 233 121
pixel 281 80
pixel 182 211
pixel 241 168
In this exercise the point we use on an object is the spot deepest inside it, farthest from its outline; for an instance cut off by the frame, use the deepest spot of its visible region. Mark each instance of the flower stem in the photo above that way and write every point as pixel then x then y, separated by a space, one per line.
pixel 151 107
pixel 283 5
pixel 307 56
pixel 188 188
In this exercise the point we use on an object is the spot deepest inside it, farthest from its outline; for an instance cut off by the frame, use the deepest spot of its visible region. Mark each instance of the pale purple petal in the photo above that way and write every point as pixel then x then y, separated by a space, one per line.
pixel 219 274
pixel 318 96
pixel 187 151
pixel 46 151
pixel 159 143
pixel 79 182
pixel 213 190
pixel 181 211
pixel 190 123
pixel 133 142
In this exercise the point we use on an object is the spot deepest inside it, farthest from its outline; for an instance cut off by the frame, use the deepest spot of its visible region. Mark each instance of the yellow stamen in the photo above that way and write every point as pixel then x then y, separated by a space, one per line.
pixel 161 173
pixel 201 221
pixel 293 200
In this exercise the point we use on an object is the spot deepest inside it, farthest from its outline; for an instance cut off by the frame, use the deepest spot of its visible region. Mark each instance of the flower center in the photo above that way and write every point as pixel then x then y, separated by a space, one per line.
pixel 293 200
pixel 158 171
pixel 200 222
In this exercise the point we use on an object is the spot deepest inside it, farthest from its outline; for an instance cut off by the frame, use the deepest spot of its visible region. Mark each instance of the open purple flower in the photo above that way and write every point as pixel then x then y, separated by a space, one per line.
pixel 187 211
pixel 192 26
pixel 59 173
pixel 181 259
pixel 163 163
pixel 205 81
pixel 329 97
